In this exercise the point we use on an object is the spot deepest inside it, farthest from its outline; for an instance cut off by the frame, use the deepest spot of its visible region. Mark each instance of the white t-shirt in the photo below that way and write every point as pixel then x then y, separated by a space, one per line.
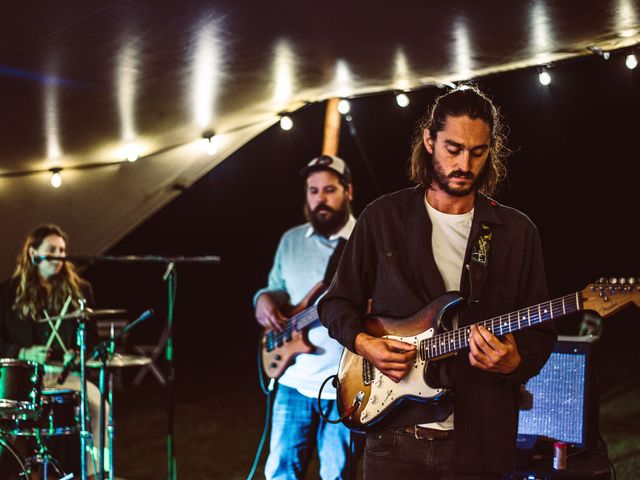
pixel 449 240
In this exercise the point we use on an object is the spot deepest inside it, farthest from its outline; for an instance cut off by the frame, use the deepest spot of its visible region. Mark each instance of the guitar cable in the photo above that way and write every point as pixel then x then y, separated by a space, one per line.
pixel 350 411
pixel 267 390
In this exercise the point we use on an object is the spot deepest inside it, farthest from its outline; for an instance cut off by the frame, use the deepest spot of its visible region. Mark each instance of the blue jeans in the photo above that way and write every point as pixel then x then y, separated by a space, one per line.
pixel 296 429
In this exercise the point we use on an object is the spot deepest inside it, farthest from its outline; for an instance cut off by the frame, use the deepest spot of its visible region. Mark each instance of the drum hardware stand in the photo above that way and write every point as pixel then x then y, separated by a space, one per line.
pixel 81 340
pixel 5 444
pixel 101 352
pixel 170 277
pixel 43 457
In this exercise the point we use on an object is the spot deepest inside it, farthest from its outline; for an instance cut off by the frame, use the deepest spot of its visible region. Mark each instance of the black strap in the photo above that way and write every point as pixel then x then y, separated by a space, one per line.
pixel 478 265
pixel 334 260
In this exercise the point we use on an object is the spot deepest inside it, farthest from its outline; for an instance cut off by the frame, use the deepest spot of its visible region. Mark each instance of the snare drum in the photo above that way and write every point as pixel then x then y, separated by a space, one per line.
pixel 59 414
pixel 20 387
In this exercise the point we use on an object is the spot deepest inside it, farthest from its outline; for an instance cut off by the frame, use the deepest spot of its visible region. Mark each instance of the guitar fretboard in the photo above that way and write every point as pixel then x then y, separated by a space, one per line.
pixel 457 339
pixel 299 321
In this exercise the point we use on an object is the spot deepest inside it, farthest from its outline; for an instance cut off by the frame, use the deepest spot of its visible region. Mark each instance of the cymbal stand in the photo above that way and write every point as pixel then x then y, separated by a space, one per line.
pixel 81 340
pixel 103 354
pixel 102 351
pixel 43 457
pixel 111 427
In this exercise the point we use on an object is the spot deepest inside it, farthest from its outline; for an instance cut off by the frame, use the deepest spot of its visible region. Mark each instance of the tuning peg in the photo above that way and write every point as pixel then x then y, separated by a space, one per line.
pixel 632 281
pixel 622 281
pixel 601 281
pixel 613 281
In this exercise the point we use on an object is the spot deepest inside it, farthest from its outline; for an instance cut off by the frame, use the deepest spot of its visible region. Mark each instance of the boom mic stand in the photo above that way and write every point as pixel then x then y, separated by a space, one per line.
pixel 101 352
pixel 170 276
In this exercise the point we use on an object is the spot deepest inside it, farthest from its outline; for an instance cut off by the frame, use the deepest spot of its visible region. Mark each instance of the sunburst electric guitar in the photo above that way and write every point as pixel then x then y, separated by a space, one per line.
pixel 278 350
pixel 365 395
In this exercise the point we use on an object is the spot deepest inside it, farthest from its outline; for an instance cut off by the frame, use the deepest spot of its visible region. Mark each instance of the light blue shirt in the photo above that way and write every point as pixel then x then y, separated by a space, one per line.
pixel 299 264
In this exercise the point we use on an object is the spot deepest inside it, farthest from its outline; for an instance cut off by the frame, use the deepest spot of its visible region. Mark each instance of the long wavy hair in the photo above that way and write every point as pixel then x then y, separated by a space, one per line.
pixel 466 101
pixel 31 297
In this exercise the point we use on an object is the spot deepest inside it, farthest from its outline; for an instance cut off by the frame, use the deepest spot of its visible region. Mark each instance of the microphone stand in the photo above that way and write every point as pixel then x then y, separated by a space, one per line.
pixel 101 352
pixel 170 276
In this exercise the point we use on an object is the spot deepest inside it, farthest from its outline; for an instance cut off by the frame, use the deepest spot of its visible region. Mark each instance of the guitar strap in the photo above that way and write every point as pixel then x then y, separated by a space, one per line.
pixel 334 260
pixel 332 267
pixel 478 264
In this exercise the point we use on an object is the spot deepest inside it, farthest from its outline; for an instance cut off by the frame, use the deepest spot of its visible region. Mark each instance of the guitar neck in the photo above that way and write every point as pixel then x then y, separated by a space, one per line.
pixel 457 339
pixel 305 318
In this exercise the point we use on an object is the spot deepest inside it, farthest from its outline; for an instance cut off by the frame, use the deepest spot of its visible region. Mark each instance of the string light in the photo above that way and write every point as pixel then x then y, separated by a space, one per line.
pixel 56 178
pixel 631 61
pixel 402 99
pixel 286 123
pixel 344 106
pixel 211 142
pixel 132 152
pixel 544 77
pixel 601 53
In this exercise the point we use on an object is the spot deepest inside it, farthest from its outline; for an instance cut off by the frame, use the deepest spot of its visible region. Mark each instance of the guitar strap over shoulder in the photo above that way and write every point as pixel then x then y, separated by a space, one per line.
pixel 479 263
pixel 334 260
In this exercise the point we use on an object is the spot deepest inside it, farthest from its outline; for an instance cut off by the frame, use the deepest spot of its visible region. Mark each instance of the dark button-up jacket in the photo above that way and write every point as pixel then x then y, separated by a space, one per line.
pixel 389 260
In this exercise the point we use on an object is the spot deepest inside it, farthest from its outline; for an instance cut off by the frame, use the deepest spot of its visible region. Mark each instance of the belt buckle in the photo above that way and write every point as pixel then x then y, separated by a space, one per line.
pixel 428 434
pixel 419 434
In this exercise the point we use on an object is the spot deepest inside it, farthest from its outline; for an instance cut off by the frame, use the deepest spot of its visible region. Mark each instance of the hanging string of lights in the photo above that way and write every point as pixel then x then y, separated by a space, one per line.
pixel 212 141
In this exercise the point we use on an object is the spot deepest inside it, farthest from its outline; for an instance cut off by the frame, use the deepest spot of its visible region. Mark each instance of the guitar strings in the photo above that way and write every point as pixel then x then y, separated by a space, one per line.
pixel 457 339
pixel 274 338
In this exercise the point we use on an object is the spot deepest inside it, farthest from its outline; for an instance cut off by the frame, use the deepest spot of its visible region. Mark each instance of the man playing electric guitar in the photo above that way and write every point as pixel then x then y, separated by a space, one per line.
pixel 410 247
pixel 300 264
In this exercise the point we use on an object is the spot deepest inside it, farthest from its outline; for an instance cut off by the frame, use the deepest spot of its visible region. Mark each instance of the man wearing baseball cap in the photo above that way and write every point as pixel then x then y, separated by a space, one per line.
pixel 306 256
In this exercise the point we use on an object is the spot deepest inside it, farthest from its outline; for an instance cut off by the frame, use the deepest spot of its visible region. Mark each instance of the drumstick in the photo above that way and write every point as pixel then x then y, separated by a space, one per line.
pixel 54 330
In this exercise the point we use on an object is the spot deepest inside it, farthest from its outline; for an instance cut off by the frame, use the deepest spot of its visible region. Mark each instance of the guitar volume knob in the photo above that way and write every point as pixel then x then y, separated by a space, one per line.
pixel 273 365
pixel 278 357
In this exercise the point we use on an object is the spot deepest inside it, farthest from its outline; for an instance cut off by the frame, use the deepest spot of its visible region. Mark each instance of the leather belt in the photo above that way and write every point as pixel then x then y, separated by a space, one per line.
pixel 426 433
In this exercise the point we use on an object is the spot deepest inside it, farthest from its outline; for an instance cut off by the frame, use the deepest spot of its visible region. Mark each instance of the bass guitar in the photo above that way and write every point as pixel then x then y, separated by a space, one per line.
pixel 278 350
pixel 365 395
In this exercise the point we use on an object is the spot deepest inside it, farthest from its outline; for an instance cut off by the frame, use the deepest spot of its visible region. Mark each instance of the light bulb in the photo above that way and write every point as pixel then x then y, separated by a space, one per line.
pixel 56 179
pixel 631 62
pixel 544 78
pixel 344 106
pixel 286 123
pixel 402 100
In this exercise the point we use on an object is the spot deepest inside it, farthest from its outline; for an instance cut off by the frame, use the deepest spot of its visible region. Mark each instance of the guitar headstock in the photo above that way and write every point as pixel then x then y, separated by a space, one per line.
pixel 607 296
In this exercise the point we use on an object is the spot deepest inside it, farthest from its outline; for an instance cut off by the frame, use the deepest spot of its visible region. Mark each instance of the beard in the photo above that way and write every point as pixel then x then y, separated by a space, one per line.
pixel 332 221
pixel 443 180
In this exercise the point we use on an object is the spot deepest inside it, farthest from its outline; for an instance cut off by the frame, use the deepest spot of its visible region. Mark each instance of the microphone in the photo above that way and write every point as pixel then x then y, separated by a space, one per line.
pixel 66 369
pixel 167 272
pixel 102 347
pixel 143 316
pixel 35 259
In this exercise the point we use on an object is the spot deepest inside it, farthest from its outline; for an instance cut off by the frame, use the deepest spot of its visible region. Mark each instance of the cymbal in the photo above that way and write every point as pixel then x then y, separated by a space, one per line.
pixel 87 312
pixel 120 360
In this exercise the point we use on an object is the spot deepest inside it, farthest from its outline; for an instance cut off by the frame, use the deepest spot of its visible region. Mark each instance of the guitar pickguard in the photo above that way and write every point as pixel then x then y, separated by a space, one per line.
pixel 385 392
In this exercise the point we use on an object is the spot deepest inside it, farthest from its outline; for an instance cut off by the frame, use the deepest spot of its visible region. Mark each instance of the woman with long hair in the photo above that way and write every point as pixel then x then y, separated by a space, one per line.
pixel 41 288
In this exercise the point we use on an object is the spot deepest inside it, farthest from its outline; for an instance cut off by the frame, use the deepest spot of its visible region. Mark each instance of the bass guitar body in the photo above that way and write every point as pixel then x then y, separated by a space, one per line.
pixel 278 350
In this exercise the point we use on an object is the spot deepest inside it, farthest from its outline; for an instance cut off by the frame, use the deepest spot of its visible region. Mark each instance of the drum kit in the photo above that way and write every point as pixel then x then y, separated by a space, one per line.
pixel 28 409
